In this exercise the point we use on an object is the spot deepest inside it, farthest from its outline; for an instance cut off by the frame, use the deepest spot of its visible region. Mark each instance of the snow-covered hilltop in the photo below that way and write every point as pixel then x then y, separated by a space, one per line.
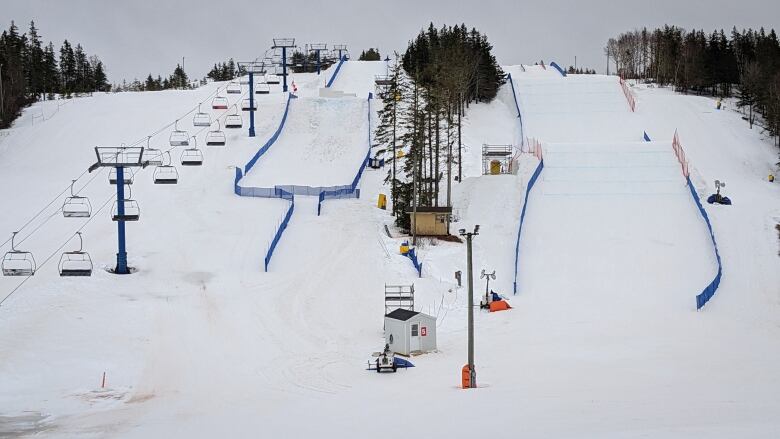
pixel 603 338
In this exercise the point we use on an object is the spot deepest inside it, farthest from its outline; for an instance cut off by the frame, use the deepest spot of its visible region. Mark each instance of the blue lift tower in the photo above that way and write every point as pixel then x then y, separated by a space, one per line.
pixel 284 44
pixel 252 68
pixel 122 159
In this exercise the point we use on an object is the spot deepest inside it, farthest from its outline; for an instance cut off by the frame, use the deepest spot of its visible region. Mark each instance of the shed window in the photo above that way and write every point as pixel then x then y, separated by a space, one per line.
pixel 441 218
pixel 415 330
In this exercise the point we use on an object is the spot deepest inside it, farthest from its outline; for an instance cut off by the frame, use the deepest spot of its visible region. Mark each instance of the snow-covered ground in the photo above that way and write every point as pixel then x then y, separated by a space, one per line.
pixel 603 340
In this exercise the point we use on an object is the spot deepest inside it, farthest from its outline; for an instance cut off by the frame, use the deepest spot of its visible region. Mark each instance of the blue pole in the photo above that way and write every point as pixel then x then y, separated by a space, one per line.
pixel 284 69
pixel 318 61
pixel 121 256
pixel 251 104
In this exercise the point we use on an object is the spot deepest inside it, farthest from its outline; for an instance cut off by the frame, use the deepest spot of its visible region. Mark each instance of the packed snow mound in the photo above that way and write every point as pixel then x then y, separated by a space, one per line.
pixel 323 143
pixel 358 77
pixel 576 108
pixel 618 168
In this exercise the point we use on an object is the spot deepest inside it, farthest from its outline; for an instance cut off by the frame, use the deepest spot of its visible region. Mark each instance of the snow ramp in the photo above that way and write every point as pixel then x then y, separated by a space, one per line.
pixel 358 77
pixel 576 108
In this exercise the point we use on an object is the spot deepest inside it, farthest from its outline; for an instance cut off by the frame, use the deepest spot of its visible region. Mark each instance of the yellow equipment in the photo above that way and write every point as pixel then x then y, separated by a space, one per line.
pixel 400 154
pixel 495 167
pixel 771 178
pixel 382 202
pixel 404 247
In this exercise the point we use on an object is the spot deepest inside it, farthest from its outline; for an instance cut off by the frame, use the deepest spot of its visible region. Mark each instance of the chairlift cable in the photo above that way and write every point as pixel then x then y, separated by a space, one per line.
pixel 58 249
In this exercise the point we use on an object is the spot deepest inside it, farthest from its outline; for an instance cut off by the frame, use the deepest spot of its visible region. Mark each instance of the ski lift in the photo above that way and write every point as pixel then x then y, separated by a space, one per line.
pixel 151 155
pixel 131 210
pixel 18 262
pixel 166 173
pixel 245 105
pixel 179 137
pixel 262 88
pixel 234 88
pixel 192 156
pixel 76 206
pixel 234 120
pixel 216 137
pixel 128 176
pixel 219 103
pixel 76 263
pixel 201 119
pixel 272 79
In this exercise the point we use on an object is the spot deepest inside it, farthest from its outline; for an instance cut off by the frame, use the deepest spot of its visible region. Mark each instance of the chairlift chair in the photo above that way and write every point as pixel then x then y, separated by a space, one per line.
pixel 234 88
pixel 216 137
pixel 201 119
pixel 151 156
pixel 166 173
pixel 18 262
pixel 76 263
pixel 76 206
pixel 219 103
pixel 245 105
pixel 272 79
pixel 192 156
pixel 262 88
pixel 179 137
pixel 128 176
pixel 234 120
pixel 131 210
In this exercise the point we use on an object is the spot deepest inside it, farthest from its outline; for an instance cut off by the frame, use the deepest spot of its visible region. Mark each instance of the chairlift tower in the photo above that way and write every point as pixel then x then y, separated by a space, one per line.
pixel 317 48
pixel 284 44
pixel 341 48
pixel 252 68
pixel 120 158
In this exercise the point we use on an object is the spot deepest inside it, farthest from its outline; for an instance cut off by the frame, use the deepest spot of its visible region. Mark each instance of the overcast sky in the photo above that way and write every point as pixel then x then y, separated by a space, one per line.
pixel 135 37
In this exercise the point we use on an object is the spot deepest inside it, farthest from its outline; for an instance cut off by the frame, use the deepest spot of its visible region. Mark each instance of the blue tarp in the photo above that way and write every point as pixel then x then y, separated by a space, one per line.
pixel 558 68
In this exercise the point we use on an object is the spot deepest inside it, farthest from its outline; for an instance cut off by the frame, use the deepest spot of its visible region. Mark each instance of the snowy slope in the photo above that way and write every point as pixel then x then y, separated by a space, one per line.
pixel 323 143
pixel 602 341
pixel 358 76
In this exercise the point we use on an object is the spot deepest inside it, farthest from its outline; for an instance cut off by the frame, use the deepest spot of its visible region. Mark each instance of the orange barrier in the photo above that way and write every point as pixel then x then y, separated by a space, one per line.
pixel 629 96
pixel 680 153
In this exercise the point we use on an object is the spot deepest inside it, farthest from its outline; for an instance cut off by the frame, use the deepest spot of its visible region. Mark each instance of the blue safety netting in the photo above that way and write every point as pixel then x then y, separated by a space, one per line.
pixel 411 254
pixel 558 68
pixel 282 227
pixel 336 72
pixel 517 105
pixel 709 291
pixel 531 183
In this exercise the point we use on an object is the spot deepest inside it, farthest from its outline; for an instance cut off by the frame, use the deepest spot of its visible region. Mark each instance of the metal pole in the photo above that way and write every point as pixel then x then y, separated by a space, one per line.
pixel 472 370
pixel 2 101
pixel 318 61
pixel 121 256
pixel 284 69
pixel 252 104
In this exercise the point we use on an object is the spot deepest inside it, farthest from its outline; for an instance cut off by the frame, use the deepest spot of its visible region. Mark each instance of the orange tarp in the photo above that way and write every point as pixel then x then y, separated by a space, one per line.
pixel 499 305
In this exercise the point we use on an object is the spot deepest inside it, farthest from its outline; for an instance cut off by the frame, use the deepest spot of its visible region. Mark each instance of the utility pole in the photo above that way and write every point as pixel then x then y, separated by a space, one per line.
pixel 471 369
pixel 2 101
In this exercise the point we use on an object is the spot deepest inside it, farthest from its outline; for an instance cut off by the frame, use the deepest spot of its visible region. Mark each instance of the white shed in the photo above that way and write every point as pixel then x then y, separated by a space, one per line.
pixel 410 331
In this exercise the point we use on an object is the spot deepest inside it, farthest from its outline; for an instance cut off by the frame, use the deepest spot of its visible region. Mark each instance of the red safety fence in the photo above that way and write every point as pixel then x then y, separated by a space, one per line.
pixel 627 92
pixel 680 153
pixel 532 146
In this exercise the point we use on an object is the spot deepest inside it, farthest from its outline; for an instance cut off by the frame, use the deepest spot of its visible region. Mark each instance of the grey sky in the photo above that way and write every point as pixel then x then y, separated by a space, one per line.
pixel 134 38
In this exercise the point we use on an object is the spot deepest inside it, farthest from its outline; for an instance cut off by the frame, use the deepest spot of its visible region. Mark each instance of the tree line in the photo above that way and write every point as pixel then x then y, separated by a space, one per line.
pixel 30 71
pixel 745 64
pixel 423 99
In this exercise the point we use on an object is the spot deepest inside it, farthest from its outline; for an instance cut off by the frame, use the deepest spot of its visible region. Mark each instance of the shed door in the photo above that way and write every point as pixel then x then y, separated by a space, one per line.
pixel 414 343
